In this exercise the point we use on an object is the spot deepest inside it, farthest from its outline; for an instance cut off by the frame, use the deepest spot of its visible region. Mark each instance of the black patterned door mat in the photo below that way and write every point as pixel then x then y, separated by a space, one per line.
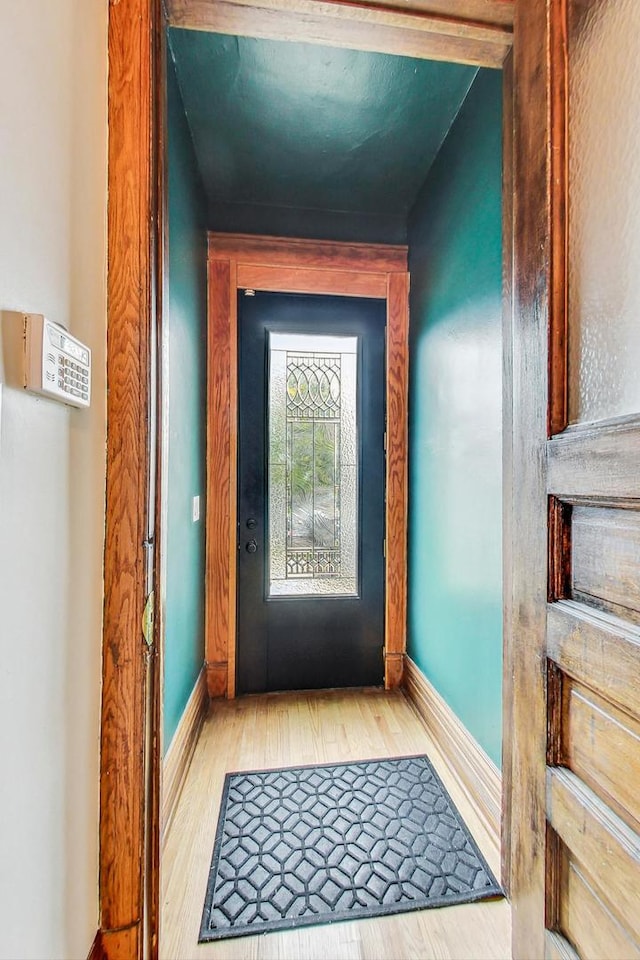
pixel 311 845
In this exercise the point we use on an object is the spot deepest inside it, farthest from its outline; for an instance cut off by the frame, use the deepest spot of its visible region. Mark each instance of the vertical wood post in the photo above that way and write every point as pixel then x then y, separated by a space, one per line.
pixel 129 308
pixel 397 477
pixel 526 669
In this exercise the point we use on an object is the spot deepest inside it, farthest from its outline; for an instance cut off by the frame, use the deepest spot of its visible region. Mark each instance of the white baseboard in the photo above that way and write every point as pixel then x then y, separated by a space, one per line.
pixel 178 756
pixel 476 773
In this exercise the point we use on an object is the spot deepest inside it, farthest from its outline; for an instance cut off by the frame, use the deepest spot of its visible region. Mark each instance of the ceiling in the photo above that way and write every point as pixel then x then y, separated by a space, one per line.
pixel 307 140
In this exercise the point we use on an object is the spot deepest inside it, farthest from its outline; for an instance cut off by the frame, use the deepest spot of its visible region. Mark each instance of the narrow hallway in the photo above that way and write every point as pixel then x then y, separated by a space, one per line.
pixel 261 732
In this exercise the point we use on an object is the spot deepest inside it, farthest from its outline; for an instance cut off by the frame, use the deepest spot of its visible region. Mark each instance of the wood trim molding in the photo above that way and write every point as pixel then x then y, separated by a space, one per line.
pixel 558 360
pixel 397 477
pixel 178 757
pixel 316 254
pixel 557 948
pixel 310 280
pixel 131 212
pixel 525 664
pixel 478 775
pixel 130 296
pixel 302 266
pixel 507 455
pixel 121 944
pixel 581 639
pixel 419 31
pixel 220 594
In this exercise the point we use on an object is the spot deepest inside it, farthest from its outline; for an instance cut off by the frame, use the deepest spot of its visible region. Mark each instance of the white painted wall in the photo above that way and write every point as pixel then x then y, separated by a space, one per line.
pixel 53 77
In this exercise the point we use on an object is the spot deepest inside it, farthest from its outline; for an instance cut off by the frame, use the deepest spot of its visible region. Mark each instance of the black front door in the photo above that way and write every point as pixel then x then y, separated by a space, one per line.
pixel 310 492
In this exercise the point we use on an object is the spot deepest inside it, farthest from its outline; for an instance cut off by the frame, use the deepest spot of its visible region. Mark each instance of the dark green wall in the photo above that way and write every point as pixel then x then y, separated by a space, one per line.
pixel 185 329
pixel 455 494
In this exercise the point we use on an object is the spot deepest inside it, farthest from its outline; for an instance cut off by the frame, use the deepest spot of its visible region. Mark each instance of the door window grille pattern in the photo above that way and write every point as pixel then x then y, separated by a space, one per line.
pixel 313 386
pixel 312 465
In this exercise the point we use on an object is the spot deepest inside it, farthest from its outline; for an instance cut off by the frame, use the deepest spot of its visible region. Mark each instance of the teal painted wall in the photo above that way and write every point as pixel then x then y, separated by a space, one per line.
pixel 304 140
pixel 455 492
pixel 186 352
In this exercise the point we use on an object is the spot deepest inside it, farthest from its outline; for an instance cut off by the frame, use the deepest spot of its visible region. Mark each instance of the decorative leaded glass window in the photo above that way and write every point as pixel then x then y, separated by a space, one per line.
pixel 313 465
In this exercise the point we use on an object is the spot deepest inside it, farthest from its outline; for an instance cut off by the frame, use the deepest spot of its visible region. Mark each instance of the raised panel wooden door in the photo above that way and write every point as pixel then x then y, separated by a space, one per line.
pixel 575 844
pixel 593 619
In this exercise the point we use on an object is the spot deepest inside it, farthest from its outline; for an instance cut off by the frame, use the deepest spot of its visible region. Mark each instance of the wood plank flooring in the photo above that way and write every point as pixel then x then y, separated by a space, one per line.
pixel 318 727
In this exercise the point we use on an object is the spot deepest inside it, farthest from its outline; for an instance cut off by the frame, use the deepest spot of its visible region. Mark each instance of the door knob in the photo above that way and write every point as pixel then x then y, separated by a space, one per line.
pixel 251 546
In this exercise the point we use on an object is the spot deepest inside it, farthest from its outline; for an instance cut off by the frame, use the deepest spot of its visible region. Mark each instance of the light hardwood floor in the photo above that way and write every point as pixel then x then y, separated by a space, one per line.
pixel 287 729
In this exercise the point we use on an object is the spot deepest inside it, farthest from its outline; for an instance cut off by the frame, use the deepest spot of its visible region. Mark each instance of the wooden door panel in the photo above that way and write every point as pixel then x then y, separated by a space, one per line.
pixel 607 849
pixel 587 920
pixel 595 461
pixel 605 558
pixel 572 329
pixel 601 744
pixel 557 948
pixel 599 650
pixel 592 642
pixel 593 777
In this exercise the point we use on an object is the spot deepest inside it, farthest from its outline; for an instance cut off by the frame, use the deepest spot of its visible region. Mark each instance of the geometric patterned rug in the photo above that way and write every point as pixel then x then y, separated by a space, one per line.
pixel 310 845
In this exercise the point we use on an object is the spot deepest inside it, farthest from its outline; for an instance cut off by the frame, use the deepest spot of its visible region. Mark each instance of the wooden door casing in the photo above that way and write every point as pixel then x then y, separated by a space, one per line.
pixel 297 266
pixel 461 31
pixel 574 776
pixel 477 31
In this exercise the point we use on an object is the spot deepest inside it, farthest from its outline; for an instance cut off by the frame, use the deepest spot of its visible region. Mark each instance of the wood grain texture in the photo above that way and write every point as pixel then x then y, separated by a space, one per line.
pixel 607 848
pixel 259 732
pixel 153 864
pixel 488 12
pixel 475 772
pixel 309 280
pixel 397 465
pixel 557 948
pixel 596 649
pixel 507 457
pixel 560 515
pixel 558 334
pixel 556 715
pixel 363 26
pixel 589 461
pixel 555 856
pixel 232 545
pixel 601 745
pixel 480 11
pixel 525 784
pixel 217 676
pixel 122 944
pixel 592 638
pixel 393 670
pixel 318 254
pixel 589 923
pixel 605 557
pixel 178 756
pixel 129 289
pixel 221 491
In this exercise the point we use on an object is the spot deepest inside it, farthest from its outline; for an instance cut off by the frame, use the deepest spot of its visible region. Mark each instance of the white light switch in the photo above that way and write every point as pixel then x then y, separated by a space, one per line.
pixel 195 509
